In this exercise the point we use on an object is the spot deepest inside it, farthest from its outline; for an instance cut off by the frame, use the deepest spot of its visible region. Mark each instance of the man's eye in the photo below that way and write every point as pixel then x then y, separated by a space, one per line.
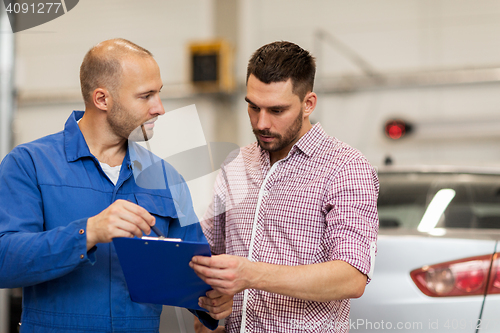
pixel 253 107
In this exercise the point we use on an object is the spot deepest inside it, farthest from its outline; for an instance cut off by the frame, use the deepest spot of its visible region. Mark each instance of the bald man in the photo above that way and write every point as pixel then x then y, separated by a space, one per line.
pixel 64 197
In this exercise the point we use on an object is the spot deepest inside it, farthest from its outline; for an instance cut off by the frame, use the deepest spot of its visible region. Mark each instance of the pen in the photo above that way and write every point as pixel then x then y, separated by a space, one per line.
pixel 157 231
pixel 147 143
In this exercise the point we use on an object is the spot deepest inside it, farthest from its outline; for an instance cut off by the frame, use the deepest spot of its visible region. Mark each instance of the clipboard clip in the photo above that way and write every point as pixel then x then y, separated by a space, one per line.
pixel 158 232
pixel 162 239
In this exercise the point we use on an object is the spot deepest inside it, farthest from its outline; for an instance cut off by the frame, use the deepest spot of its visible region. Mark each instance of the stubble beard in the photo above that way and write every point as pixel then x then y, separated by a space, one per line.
pixel 122 124
pixel 282 140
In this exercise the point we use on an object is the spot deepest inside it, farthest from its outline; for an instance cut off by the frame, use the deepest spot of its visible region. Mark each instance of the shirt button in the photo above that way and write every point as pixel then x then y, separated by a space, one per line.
pixel 81 231
pixel 82 256
pixel 266 193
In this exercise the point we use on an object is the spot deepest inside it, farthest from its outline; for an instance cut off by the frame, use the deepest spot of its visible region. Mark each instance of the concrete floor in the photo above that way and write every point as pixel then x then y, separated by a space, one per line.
pixel 176 320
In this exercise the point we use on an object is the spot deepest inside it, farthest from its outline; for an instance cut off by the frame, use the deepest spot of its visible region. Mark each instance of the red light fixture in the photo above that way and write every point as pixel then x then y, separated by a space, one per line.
pixel 396 128
pixel 464 277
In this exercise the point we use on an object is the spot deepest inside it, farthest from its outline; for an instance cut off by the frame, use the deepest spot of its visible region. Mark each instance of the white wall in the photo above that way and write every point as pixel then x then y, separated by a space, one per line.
pixel 392 35
pixel 49 56
pixel 395 36
pixel 432 111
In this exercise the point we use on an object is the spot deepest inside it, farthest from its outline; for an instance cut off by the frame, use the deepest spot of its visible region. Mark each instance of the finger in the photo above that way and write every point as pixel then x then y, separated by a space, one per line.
pixel 218 312
pixel 222 286
pixel 220 300
pixel 214 283
pixel 106 235
pixel 117 233
pixel 210 273
pixel 221 314
pixel 221 282
pixel 205 271
pixel 217 302
pixel 225 299
pixel 197 272
pixel 130 216
pixel 201 260
pixel 140 211
pixel 213 294
pixel 212 301
pixel 217 261
pixel 122 226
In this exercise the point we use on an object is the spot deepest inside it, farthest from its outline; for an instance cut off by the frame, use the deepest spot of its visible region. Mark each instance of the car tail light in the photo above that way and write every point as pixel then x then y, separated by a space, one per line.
pixel 494 285
pixel 464 277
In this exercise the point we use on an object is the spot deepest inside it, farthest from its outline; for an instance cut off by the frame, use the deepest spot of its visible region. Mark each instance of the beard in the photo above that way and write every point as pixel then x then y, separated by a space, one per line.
pixel 282 141
pixel 123 124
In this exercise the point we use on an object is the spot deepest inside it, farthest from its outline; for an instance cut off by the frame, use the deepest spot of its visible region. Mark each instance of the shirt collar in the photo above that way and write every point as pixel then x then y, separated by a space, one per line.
pixel 75 145
pixel 74 142
pixel 310 142
pixel 140 158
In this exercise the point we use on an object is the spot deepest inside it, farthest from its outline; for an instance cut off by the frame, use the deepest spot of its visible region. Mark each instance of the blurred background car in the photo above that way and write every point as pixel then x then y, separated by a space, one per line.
pixel 437 267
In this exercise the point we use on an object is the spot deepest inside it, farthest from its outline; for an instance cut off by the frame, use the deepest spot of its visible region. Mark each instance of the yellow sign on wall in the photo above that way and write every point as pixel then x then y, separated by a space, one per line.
pixel 211 66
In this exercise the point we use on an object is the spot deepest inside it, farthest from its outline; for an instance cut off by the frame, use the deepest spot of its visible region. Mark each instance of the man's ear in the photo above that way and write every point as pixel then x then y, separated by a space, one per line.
pixel 102 99
pixel 310 101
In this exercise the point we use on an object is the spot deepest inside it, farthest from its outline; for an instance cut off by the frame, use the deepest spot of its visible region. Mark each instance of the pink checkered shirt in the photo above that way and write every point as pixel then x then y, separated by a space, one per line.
pixel 317 204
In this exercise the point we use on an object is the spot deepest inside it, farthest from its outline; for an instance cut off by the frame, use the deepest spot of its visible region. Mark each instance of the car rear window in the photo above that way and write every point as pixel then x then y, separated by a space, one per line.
pixel 405 198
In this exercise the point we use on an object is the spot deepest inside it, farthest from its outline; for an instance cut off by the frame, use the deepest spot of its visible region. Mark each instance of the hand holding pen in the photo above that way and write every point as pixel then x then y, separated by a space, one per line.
pixel 121 219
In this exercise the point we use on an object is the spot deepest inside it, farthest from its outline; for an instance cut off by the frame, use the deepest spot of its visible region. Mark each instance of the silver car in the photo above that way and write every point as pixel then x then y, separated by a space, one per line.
pixel 437 267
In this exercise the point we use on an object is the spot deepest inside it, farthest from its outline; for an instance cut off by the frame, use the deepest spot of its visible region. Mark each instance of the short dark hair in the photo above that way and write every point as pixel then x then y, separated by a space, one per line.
pixel 280 61
pixel 104 70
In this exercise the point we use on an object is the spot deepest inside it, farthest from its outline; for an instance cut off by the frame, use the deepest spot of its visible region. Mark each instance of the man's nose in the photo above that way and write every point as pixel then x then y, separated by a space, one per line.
pixel 158 108
pixel 263 120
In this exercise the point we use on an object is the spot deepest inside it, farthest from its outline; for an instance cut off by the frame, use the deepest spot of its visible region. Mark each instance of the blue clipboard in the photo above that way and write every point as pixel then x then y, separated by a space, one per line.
pixel 157 270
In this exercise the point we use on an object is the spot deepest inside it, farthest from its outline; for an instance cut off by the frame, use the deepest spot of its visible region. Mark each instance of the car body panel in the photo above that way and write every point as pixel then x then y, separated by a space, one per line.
pixel 490 319
pixel 392 297
pixel 392 301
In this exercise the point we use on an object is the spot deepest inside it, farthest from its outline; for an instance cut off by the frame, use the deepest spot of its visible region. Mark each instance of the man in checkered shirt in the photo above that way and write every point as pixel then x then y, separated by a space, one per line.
pixel 293 223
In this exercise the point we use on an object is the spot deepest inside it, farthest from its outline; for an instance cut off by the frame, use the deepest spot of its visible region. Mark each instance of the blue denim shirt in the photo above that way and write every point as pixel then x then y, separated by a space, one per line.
pixel 48 190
